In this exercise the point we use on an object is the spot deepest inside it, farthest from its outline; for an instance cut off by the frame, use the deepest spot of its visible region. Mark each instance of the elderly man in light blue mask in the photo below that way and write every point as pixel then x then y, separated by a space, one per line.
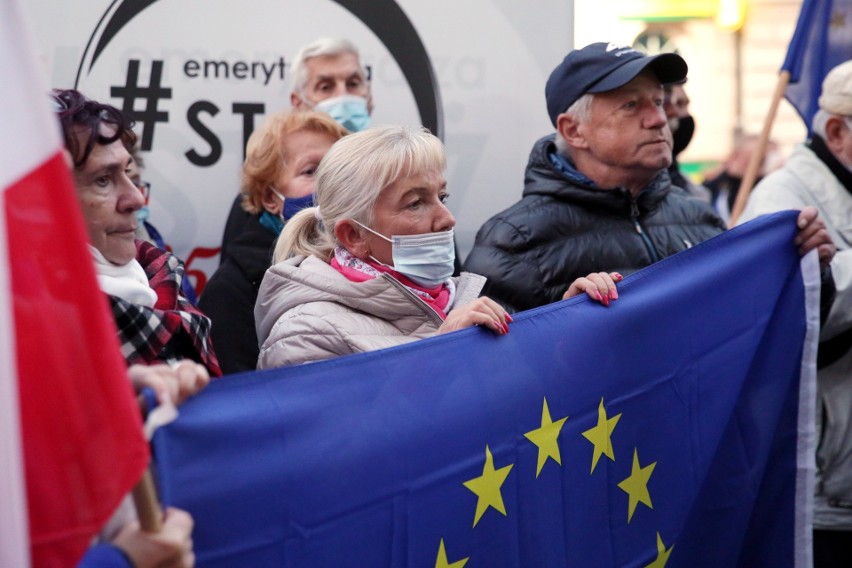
pixel 328 77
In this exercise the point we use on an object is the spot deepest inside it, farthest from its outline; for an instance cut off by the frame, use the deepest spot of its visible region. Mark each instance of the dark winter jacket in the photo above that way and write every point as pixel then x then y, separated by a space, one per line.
pixel 566 227
pixel 230 294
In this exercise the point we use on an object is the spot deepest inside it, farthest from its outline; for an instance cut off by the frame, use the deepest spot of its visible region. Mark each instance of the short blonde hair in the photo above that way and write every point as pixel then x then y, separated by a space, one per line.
pixel 265 159
pixel 349 180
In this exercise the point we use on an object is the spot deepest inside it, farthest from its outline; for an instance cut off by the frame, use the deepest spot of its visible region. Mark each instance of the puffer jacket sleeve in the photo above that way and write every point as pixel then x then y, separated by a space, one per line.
pixel 513 281
pixel 298 338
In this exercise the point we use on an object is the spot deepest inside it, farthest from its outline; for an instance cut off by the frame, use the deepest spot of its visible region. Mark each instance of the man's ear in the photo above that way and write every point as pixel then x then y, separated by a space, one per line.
pixel 352 237
pixel 570 129
pixel 297 102
pixel 271 202
pixel 834 134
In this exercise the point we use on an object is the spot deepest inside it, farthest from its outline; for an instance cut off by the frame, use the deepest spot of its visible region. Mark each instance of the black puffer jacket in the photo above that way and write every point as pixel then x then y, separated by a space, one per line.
pixel 565 227
pixel 230 294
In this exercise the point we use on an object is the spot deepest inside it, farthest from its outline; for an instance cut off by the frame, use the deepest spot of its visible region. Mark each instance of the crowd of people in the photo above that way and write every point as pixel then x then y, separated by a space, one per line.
pixel 339 240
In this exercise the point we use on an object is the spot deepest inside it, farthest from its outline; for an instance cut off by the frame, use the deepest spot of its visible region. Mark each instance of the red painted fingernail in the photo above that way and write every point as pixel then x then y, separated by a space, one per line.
pixel 509 317
pixel 613 295
pixel 605 300
pixel 598 296
pixel 505 328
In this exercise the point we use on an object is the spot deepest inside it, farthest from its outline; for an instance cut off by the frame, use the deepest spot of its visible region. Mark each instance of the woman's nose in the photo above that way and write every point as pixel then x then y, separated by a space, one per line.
pixel 444 221
pixel 131 198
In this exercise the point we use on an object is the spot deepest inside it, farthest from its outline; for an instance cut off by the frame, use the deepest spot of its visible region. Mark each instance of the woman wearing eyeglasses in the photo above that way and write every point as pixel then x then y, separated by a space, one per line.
pixel 144 230
pixel 156 323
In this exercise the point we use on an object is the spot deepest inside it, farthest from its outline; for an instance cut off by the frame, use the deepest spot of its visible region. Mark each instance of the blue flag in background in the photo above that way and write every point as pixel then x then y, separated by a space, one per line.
pixel 822 41
pixel 674 428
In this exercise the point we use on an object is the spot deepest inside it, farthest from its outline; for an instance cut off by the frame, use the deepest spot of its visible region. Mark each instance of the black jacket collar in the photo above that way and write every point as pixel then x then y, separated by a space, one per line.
pixel 819 147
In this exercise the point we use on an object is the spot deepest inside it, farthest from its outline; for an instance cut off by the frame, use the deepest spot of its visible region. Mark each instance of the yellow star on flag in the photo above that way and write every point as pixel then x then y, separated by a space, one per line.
pixel 600 436
pixel 442 561
pixel 545 438
pixel 636 486
pixel 662 554
pixel 487 487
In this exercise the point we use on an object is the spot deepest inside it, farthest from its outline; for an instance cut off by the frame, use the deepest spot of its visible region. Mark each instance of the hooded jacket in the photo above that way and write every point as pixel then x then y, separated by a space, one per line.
pixel 565 227
pixel 307 311
pixel 807 180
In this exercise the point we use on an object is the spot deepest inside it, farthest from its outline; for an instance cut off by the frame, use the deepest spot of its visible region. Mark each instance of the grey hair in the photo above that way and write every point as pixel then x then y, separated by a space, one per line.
pixel 350 179
pixel 328 46
pixel 581 110
pixel 819 121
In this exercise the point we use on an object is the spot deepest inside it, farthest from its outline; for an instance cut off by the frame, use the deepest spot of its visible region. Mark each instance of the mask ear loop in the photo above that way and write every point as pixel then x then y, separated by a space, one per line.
pixel 281 197
pixel 371 257
pixel 363 226
pixel 283 200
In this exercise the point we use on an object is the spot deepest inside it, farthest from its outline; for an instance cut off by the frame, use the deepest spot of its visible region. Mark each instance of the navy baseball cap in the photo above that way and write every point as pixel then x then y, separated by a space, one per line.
pixel 601 67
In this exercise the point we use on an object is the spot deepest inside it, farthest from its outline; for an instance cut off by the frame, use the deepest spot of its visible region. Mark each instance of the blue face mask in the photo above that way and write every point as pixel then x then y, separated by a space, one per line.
pixel 427 259
pixel 293 205
pixel 348 111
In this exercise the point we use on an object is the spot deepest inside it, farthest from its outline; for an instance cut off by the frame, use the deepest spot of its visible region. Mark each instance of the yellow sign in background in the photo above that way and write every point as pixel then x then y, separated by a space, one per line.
pixel 729 14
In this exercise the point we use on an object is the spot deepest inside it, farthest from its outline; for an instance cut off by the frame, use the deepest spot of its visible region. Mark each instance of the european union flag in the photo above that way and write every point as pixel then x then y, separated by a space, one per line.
pixel 674 428
pixel 822 41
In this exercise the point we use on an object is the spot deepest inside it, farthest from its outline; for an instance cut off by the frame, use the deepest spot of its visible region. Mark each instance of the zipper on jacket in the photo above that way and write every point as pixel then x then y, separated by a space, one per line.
pixel 634 216
pixel 428 310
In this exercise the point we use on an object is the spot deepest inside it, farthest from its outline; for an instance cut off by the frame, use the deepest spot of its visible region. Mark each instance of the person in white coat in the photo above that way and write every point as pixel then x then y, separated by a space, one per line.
pixel 819 174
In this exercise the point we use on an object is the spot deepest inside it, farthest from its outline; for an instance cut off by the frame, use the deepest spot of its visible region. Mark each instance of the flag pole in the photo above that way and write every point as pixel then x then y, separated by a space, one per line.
pixel 148 509
pixel 758 155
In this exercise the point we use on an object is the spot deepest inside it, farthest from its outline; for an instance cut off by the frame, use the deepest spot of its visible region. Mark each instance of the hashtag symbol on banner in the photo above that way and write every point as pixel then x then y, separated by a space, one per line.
pixel 151 94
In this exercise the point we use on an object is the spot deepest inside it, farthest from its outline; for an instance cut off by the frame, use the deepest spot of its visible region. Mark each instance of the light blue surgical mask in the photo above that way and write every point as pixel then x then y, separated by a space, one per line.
pixel 142 214
pixel 427 259
pixel 293 205
pixel 349 111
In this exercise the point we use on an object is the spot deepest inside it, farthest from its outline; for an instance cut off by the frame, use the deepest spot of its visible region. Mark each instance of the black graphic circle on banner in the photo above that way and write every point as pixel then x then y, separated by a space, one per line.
pixel 383 17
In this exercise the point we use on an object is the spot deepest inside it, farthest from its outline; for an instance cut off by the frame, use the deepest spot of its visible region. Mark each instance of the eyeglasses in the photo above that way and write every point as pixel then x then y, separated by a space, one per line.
pixel 145 188
pixel 58 104
pixel 62 105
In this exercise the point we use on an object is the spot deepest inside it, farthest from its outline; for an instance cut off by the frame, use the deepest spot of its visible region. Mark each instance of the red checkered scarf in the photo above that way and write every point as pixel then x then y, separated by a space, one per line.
pixel 173 329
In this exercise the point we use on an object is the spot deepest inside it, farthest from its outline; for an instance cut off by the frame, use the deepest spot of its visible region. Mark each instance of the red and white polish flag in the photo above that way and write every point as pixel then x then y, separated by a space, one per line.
pixel 71 443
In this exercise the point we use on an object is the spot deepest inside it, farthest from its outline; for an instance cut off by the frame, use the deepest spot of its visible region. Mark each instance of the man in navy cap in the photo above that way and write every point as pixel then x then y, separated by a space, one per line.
pixel 597 194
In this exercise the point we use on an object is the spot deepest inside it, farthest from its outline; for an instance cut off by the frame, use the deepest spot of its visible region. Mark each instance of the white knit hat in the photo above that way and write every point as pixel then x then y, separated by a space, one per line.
pixel 836 95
